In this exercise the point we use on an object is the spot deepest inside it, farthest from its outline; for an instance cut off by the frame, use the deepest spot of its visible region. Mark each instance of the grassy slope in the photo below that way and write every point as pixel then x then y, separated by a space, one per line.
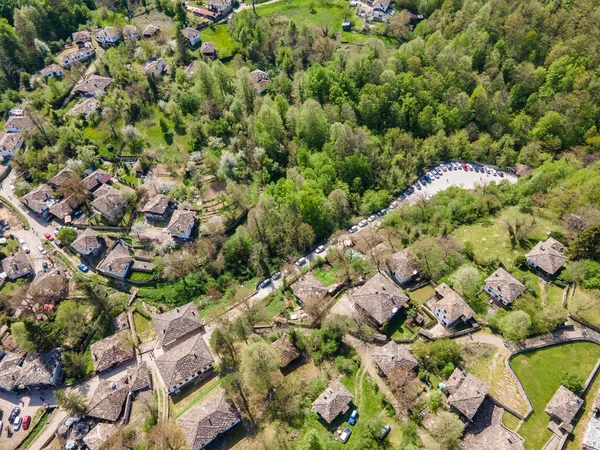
pixel 220 36
pixel 540 377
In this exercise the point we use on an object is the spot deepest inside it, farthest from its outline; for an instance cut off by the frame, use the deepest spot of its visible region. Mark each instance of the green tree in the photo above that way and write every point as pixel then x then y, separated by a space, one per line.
pixel 466 281
pixel 572 381
pixel 71 401
pixel 515 325
pixel 75 365
pixel 260 368
pixel 446 428
pixel 587 244
pixel 66 235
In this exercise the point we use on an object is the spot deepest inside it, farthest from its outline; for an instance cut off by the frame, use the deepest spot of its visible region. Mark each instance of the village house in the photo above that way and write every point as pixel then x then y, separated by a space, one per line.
pixel 52 70
pixel 80 38
pixel 10 369
pixel 402 267
pixel 335 400
pixel 87 243
pixel 96 179
pixel 182 224
pixel 449 307
pixel 112 351
pixel 117 262
pixel 260 79
pixel 19 123
pixel 184 362
pixel 157 208
pixel 109 203
pixel 220 7
pixel 63 178
pixel 155 66
pixel 64 209
pixel 177 324
pixel 208 50
pixel 393 356
pixel 99 435
pixel 93 85
pixel 39 200
pixel 107 36
pixel 192 35
pixel 40 371
pixel 468 396
pixel 308 287
pixel 562 409
pixel 502 286
pixel 49 286
pixel 10 143
pixel 85 106
pixel 547 256
pixel 81 54
pixel 591 440
pixel 208 419
pixel 150 31
pixel 17 265
pixel 130 32
pixel 286 350
pixel 379 300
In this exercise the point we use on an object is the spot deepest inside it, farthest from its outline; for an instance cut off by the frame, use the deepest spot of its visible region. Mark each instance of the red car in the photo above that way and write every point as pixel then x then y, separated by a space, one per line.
pixel 26 422
pixel 465 168
pixel 49 236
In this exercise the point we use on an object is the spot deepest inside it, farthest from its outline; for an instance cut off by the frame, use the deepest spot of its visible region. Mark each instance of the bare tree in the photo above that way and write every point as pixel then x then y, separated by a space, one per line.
pixel 404 387
pixel 166 436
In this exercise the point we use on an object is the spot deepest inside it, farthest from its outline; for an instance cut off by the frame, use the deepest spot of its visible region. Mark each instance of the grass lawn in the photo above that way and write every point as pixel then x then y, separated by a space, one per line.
pixel 220 36
pixel 192 397
pixel 37 428
pixel 491 240
pixel 11 287
pixel 328 14
pixel 511 422
pixel 327 274
pixel 539 371
pixel 144 328
pixel 139 276
pixel 420 296
pixel 578 305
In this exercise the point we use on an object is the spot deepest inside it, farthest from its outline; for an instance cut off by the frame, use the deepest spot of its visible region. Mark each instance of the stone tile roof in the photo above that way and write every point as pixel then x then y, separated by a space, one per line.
pixel 403 264
pixel 93 84
pixel 469 396
pixel 260 78
pixel 505 284
pixel 10 141
pixel 109 399
pixel 63 177
pixel 548 256
pixel 452 304
pixel 177 323
pixel 207 47
pixel 65 207
pixel 117 260
pixel 138 377
pixel 486 432
pixel 335 400
pixel 453 383
pixel 86 241
pixel 50 285
pixel 130 31
pixel 308 287
pixel 183 360
pixel 84 106
pixel 159 204
pixel 286 350
pixel 564 406
pixel 81 36
pixel 156 66
pixel 393 355
pixel 150 30
pixel 39 369
pixel 51 69
pixel 95 179
pixel 181 221
pixel 38 198
pixel 111 351
pixel 109 32
pixel 591 440
pixel 207 419
pixel 109 203
pixel 190 33
pixel 16 265
pixel 10 369
pixel 20 122
pixel 380 298
pixel 99 435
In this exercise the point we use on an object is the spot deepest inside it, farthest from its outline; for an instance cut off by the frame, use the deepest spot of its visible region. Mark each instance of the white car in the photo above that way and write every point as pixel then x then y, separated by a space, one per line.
pixel 21 241
pixel 25 248
pixel 363 223
pixel 353 229
pixel 301 262
pixel 320 249
pixel 17 423
pixel 42 250
pixel 394 204
pixel 371 218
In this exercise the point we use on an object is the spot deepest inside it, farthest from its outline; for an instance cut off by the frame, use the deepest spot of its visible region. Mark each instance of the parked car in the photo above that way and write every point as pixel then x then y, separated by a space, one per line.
pixel 465 168
pixel 58 228
pixel 42 250
pixel 363 223
pixel 26 422
pixel 384 432
pixel 444 168
pixel 353 229
pixel 264 283
pixel 419 186
pixel 1 426
pixel 45 265
pixel 423 181
pixel 345 435
pixel 402 196
pixel 17 423
pixel 301 262
pixel 470 166
pixel 353 417
pixel 26 248
pixel 83 268
pixel 371 218
pixel 21 241
pixel 410 191
pixel 49 236
pixel 383 212
pixel 320 249
pixel 14 413
pixel 78 213
pixel 58 243
pixel 276 276
pixel 395 203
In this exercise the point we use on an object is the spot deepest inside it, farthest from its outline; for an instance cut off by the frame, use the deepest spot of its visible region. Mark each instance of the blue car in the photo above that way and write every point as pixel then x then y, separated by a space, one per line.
pixel 353 417
pixel 83 268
